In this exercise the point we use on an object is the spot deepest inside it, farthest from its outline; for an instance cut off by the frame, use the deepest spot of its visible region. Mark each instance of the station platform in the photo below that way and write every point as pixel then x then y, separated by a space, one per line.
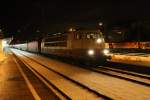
pixel 12 84
pixel 18 83
pixel 141 59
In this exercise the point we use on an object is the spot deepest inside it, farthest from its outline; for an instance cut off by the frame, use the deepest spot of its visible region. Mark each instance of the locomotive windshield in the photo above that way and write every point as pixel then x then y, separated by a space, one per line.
pixel 92 36
pixel 89 35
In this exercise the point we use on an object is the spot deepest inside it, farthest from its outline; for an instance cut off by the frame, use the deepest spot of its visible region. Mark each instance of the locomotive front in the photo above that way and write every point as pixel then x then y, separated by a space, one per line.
pixel 98 41
pixel 91 45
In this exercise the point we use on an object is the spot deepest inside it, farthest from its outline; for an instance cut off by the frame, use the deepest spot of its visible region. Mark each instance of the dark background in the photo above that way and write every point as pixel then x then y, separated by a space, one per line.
pixel 29 18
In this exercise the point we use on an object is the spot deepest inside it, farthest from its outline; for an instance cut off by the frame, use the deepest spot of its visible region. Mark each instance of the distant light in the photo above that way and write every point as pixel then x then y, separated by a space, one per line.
pixel 54 34
pixel 91 52
pixel 37 30
pixel 119 32
pixel 19 31
pixel 99 40
pixel 100 24
pixel 72 30
pixel 0 30
pixel 4 43
pixel 59 33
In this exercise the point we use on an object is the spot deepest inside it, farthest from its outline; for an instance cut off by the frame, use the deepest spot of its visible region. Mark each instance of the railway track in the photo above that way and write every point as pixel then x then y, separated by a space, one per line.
pixel 97 80
pixel 126 75
pixel 129 67
pixel 65 88
pixel 126 72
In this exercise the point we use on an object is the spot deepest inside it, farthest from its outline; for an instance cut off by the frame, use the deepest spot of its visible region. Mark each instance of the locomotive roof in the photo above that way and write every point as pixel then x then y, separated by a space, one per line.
pixel 81 30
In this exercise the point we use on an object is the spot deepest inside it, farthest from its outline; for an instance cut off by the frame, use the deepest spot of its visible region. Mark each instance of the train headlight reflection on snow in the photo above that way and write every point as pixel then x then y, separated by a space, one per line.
pixel 99 40
pixel 91 52
pixel 106 51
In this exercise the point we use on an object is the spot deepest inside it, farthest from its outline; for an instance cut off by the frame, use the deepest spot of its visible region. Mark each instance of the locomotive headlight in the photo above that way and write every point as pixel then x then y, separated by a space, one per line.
pixel 91 52
pixel 106 51
pixel 99 40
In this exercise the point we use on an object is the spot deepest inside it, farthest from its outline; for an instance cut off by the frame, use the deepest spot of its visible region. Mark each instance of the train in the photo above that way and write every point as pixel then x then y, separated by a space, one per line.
pixel 82 45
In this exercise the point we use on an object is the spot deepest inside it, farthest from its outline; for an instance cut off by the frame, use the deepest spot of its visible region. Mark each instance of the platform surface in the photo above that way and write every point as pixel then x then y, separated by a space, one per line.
pixel 12 84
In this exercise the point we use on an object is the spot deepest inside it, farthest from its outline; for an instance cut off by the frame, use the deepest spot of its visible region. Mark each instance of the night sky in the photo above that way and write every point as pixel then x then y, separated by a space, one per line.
pixel 30 15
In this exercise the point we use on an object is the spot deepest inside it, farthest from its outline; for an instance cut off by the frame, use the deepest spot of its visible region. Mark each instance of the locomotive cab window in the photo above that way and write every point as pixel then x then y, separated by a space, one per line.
pixel 88 35
pixel 92 36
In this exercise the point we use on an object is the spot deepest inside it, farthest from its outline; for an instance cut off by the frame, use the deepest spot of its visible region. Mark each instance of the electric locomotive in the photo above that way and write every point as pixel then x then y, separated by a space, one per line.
pixel 84 45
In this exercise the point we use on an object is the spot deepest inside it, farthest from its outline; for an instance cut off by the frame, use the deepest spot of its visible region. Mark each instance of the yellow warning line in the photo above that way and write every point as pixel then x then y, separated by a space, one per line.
pixel 30 86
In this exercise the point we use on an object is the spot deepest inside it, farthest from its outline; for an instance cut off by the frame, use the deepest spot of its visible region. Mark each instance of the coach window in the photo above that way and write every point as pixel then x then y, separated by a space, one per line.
pixel 77 36
pixel 88 36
